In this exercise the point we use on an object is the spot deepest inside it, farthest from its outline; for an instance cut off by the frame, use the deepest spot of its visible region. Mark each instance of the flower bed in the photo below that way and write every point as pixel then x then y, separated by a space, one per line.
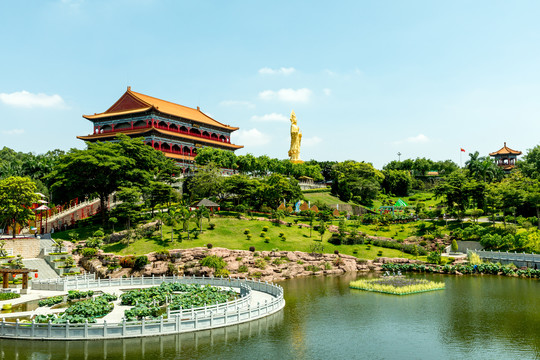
pixel 396 285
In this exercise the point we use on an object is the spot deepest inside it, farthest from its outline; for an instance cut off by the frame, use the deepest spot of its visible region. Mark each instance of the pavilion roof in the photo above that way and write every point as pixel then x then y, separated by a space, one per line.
pixel 133 102
pixel 505 150
pixel 207 203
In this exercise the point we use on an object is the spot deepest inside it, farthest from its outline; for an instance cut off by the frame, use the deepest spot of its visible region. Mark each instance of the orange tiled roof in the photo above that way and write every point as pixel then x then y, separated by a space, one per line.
pixel 166 132
pixel 505 150
pixel 138 102
pixel 178 156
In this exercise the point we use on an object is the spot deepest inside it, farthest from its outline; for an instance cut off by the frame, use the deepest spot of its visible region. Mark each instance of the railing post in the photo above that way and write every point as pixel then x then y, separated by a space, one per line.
pixel 142 327
pixel 33 327
pixel 86 328
pixel 178 319
pixel 49 329
pixel 104 328
pixel 123 327
pixel 67 330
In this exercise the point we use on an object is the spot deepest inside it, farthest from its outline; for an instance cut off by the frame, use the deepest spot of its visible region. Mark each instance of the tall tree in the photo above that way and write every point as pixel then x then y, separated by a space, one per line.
pixel 17 194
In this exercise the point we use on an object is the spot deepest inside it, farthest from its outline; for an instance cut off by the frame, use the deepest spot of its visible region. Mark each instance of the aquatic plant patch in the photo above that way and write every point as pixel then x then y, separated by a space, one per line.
pixel 396 285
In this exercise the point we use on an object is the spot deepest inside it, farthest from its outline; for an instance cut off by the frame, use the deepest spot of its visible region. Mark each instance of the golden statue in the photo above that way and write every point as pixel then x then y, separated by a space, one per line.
pixel 296 139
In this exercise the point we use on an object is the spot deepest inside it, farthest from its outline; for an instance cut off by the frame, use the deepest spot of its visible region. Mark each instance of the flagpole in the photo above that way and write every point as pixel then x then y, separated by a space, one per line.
pixel 460 161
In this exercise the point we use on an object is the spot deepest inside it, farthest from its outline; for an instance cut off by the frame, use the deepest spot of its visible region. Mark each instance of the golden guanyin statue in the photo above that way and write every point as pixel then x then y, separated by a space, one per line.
pixel 296 139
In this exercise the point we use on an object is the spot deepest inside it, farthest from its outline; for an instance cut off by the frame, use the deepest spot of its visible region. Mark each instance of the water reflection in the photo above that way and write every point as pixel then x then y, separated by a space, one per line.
pixel 474 317
pixel 184 346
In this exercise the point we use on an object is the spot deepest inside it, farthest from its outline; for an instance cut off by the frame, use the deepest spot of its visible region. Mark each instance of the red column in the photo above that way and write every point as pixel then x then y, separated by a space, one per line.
pixel 152 143
pixel 191 151
pixel 168 125
pixel 132 125
pixel 160 145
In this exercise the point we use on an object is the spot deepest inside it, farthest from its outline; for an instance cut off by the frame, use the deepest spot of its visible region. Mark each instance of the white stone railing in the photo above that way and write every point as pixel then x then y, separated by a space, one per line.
pixel 528 260
pixel 182 321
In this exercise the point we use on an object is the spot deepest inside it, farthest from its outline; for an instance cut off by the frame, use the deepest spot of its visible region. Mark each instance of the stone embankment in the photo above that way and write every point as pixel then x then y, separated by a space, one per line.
pixel 266 265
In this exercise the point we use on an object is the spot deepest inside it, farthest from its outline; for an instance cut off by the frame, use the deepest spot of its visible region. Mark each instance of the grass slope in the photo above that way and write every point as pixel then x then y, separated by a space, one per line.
pixel 229 233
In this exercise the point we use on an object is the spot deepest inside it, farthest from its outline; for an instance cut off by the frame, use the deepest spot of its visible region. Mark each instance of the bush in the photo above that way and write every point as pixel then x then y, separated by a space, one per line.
pixel 281 234
pixel 262 234
pixel 260 263
pixel 313 268
pixel 252 248
pixel 242 268
pixel 336 252
pixel 454 246
pixel 434 257
pixel 249 236
pixel 355 251
pixel 213 261
pixel 9 296
pixel 127 262
pixel 222 272
pixel 211 226
pixel 246 231
pixel 265 228
pixel 162 254
pixel 140 262
pixel 89 252
pixel 379 253
pixel 283 238
pixel 209 245
pixel 99 233
pixel 267 239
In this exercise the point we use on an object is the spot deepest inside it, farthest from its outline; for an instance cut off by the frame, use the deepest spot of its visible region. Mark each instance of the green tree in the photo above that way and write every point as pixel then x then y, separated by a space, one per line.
pixel 206 182
pixel 530 165
pixel 200 214
pixel 322 228
pixel 357 181
pixel 17 194
pixel 185 217
pixel 130 198
pixel 397 182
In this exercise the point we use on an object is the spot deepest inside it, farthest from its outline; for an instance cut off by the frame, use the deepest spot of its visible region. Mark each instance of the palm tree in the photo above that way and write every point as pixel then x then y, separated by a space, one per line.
pixel 200 214
pixel 172 217
pixel 312 216
pixel 185 217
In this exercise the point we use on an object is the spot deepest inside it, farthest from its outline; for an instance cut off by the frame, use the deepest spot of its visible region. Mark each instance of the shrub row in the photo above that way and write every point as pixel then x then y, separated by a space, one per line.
pixel 493 269
pixel 406 248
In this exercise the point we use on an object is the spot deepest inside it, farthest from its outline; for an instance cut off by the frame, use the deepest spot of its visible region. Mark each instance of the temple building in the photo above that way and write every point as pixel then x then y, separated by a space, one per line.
pixel 506 157
pixel 176 130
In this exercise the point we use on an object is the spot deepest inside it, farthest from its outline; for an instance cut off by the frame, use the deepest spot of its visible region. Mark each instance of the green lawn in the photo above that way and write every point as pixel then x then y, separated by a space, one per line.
pixel 229 233
pixel 323 197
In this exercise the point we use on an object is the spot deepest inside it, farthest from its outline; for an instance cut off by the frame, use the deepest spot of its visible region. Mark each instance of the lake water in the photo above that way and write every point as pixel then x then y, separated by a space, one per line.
pixel 483 317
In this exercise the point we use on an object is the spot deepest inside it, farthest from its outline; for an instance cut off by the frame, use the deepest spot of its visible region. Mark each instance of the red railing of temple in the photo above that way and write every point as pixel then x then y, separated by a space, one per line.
pixel 226 141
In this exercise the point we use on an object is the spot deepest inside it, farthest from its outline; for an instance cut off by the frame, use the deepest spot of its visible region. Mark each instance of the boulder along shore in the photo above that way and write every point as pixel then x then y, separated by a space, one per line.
pixel 266 265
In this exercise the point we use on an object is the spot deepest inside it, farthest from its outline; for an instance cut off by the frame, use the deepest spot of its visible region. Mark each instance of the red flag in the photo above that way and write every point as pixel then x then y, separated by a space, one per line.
pixel 462 149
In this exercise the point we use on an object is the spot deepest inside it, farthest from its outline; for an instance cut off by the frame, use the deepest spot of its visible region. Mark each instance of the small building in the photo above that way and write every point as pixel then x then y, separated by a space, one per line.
pixel 176 130
pixel 505 157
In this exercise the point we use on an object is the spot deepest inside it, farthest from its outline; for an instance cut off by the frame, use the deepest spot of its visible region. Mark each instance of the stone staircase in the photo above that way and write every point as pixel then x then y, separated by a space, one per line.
pixel 45 271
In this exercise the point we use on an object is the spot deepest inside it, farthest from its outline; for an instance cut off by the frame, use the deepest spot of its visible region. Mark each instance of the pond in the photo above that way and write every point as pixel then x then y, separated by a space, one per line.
pixel 474 317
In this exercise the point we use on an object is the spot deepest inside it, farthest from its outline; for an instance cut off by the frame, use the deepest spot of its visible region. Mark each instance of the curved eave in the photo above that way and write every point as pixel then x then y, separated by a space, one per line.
pixel 120 113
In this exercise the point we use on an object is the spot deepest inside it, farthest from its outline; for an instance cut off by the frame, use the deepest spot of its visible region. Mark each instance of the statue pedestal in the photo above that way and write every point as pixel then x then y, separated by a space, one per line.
pixel 297 161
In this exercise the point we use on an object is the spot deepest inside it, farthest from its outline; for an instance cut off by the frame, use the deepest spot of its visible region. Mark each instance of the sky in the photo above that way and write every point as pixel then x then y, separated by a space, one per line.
pixel 366 79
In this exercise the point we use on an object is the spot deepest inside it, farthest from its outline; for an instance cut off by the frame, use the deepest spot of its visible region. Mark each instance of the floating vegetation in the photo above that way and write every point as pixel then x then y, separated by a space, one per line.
pixel 396 285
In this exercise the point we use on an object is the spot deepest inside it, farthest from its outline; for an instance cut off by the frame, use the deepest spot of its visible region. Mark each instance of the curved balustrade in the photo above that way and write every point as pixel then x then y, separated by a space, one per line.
pixel 184 320
pixel 208 137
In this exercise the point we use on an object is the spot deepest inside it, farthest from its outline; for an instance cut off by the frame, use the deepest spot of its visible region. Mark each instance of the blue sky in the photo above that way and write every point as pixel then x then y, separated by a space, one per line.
pixel 367 79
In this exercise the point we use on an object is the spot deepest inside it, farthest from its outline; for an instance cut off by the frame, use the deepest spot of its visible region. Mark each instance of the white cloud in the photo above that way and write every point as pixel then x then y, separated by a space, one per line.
pixel 327 92
pixel 28 100
pixel 13 132
pixel 239 103
pixel 288 95
pixel 251 138
pixel 418 139
pixel 311 141
pixel 281 71
pixel 273 117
